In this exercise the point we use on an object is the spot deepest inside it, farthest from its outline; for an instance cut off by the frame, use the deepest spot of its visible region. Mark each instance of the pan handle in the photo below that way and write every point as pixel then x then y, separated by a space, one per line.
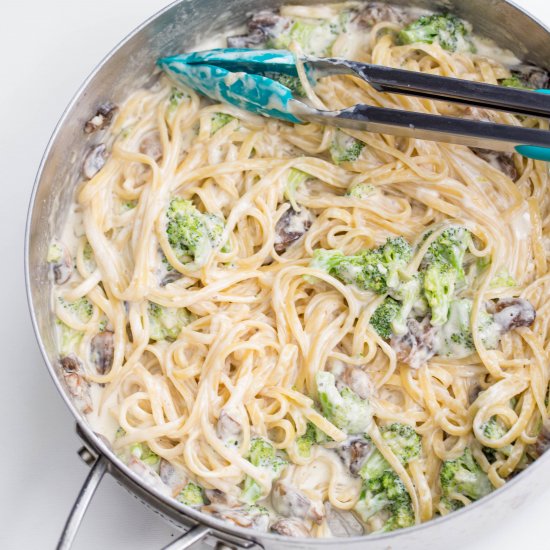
pixel 97 471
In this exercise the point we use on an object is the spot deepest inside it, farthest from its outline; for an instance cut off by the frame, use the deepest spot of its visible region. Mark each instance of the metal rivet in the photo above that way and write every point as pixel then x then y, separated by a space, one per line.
pixel 85 454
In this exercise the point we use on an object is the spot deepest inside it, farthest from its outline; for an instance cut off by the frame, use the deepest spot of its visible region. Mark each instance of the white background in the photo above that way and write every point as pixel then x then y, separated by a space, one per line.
pixel 47 49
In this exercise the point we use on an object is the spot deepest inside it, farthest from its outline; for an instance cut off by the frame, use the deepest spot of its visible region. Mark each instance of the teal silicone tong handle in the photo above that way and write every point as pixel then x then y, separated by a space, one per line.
pixel 536 153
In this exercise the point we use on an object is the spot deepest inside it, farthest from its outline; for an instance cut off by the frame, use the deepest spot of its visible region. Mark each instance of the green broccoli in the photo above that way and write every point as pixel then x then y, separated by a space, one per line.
pixel 294 180
pixel 82 309
pixel 376 269
pixel 175 99
pixel 55 253
pixel 262 455
pixel 293 83
pixel 514 82
pixel 192 495
pixel 503 279
pixel 443 269
pixel 360 191
pixel 464 476
pixel 69 338
pixel 495 429
pixel 165 323
pixel 145 454
pixel 306 441
pixel 451 33
pixel 404 443
pixel 219 120
pixel 383 317
pixel 315 37
pixel 344 408
pixel 345 148
pixel 455 337
pixel 190 232
pixel 386 497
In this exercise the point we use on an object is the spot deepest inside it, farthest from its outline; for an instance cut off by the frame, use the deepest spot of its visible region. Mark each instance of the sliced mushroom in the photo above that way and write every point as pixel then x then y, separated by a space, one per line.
pixel 103 117
pixel 533 76
pixel 254 518
pixel 342 523
pixel 290 528
pixel 73 376
pixel 511 313
pixel 61 262
pixel 215 496
pixel 291 226
pixel 151 146
pixel 228 429
pixel 418 345
pixel 291 503
pixel 357 380
pixel 501 161
pixel 171 277
pixel 353 452
pixel 149 476
pixel 94 161
pixel 102 351
pixel 262 26
pixel 377 12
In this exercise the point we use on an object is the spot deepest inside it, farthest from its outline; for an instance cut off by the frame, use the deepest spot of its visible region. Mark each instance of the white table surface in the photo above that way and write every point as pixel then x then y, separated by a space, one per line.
pixel 47 49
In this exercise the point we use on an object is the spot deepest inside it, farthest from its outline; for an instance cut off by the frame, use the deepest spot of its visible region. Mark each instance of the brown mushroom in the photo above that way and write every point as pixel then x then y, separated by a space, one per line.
pixel 501 161
pixel 533 76
pixel 262 26
pixel 357 380
pixel 102 118
pixel 228 429
pixel 291 503
pixel 102 350
pixel 292 225
pixel 78 387
pixel 353 452
pixel 254 518
pixel 94 161
pixel 418 345
pixel 342 523
pixel 511 313
pixel 61 263
pixel 373 13
pixel 289 527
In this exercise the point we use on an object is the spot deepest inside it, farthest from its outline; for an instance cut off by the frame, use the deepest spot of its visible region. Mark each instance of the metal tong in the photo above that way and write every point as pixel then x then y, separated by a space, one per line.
pixel 245 78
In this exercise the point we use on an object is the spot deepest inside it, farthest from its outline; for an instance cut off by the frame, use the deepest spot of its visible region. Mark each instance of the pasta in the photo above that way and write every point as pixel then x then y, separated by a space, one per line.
pixel 201 311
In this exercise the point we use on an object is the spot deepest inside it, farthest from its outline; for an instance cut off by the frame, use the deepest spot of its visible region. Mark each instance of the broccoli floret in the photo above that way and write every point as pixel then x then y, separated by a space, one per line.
pixel 495 429
pixel 383 317
pixel 69 338
pixel 82 308
pixel 145 454
pixel 345 148
pixel 455 337
pixel 293 83
pixel 450 32
pixel 403 440
pixel 375 269
pixel 388 494
pixel 514 82
pixel 262 455
pixel 190 232
pixel 315 37
pixel 295 179
pixel 464 476
pixel 165 323
pixel 344 408
pixel 176 96
pixel 503 279
pixel 404 443
pixel 306 441
pixel 443 269
pixel 450 248
pixel 439 290
pixel 219 120
pixel 360 191
pixel 192 495
pixel 55 253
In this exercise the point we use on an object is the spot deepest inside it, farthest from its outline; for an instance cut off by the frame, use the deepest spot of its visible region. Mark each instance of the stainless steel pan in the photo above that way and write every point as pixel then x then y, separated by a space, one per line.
pixel 179 26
